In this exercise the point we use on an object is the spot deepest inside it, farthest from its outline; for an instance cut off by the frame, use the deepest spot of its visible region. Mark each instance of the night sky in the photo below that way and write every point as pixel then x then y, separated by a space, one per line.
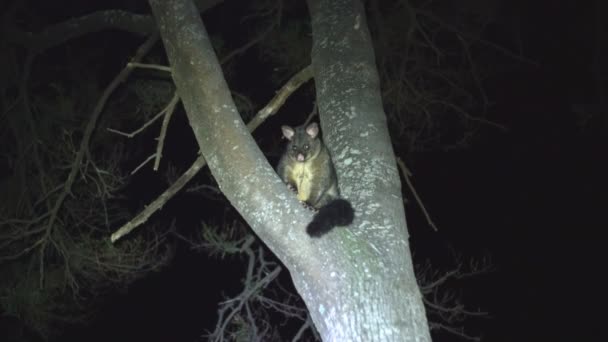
pixel 531 198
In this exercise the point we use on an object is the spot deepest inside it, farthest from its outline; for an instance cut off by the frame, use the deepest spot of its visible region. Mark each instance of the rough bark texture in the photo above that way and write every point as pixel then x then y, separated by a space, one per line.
pixel 241 170
pixel 357 282
pixel 378 298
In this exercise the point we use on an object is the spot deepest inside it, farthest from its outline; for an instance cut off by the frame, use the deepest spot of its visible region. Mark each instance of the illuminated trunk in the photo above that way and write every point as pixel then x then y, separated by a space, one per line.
pixel 357 282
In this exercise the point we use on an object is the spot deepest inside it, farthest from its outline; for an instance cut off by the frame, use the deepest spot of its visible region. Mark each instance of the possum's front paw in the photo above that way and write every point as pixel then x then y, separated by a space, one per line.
pixel 292 188
pixel 309 207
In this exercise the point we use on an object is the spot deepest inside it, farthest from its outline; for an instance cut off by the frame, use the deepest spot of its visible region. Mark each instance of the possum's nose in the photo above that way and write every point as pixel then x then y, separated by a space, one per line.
pixel 300 157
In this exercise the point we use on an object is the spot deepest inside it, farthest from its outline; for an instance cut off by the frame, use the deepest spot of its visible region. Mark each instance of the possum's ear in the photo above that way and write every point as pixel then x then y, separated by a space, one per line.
pixel 312 130
pixel 288 132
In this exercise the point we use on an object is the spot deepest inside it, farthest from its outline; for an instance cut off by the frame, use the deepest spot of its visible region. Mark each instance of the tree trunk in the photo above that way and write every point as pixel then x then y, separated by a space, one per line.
pixel 358 282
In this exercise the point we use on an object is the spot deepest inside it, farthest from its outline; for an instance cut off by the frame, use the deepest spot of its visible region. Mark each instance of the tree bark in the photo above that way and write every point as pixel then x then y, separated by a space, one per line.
pixel 357 282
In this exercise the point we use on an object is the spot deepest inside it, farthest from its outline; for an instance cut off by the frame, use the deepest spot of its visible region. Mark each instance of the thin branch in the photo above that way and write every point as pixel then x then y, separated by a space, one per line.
pixel 247 46
pixel 253 283
pixel 252 42
pixel 469 116
pixel 149 66
pixel 457 331
pixel 160 201
pixel 170 109
pixel 237 303
pixel 279 99
pixel 452 28
pixel 439 281
pixel 301 331
pixel 84 146
pixel 406 175
pixel 474 72
pixel 270 109
pixel 143 163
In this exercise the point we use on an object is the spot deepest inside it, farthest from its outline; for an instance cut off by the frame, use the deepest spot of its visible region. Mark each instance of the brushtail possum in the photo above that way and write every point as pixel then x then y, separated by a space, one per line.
pixel 307 168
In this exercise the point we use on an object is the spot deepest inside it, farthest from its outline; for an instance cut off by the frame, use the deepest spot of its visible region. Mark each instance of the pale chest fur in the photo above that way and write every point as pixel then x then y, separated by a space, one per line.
pixel 302 177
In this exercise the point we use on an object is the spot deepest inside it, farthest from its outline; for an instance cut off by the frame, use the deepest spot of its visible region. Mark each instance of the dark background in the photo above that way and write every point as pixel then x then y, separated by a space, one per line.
pixel 531 198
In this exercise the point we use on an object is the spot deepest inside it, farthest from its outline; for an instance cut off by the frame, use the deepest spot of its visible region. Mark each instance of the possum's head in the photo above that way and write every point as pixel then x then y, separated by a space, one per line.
pixel 304 142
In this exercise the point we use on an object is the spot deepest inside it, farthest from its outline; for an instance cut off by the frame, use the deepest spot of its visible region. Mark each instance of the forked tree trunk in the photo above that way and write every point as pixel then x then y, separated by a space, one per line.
pixel 358 282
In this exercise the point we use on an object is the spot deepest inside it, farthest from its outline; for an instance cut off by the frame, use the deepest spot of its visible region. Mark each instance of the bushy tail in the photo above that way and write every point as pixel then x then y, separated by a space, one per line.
pixel 338 212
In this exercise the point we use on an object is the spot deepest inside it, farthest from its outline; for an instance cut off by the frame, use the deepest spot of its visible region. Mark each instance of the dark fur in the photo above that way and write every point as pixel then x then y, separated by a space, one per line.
pixel 337 212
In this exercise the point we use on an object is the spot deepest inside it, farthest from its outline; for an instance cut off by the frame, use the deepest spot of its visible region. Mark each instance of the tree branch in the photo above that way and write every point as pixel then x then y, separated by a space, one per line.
pixel 138 24
pixel 406 175
pixel 84 149
pixel 270 109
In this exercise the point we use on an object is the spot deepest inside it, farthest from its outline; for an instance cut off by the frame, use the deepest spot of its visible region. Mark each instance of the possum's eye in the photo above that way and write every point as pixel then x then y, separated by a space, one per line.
pixel 306 147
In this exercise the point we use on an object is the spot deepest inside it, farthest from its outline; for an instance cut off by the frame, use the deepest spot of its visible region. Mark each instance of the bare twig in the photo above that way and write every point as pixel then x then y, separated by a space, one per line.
pixel 278 8
pixel 142 164
pixel 149 66
pixel 240 315
pixel 270 109
pixel 249 44
pixel 452 28
pixel 279 99
pixel 469 116
pixel 443 306
pixel 455 331
pixel 406 175
pixel 160 201
pixel 307 324
pixel 76 165
pixel 170 109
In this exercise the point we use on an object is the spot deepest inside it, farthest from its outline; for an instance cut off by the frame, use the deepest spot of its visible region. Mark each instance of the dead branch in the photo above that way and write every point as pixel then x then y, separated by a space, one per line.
pixel 444 309
pixel 163 130
pixel 243 314
pixel 406 175
pixel 270 109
